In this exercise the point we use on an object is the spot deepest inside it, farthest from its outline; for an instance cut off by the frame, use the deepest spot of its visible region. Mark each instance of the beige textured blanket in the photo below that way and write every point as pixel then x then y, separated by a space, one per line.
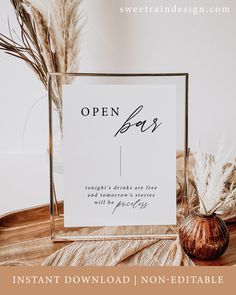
pixel 116 253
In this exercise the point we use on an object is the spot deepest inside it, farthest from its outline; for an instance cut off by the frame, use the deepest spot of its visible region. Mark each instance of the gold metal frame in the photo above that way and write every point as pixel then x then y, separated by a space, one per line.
pixel 56 216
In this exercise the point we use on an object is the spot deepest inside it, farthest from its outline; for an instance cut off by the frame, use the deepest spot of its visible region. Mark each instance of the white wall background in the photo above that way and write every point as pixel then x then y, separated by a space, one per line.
pixel 203 45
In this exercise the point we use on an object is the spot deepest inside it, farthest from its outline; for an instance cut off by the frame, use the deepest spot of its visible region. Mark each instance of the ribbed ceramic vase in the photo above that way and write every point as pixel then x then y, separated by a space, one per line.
pixel 204 237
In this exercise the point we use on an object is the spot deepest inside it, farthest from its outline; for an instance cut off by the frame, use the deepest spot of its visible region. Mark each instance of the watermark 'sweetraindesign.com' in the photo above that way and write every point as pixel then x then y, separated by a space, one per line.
pixel 175 9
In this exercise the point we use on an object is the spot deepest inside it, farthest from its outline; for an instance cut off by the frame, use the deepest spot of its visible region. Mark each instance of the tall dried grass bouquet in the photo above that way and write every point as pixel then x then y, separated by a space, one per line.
pixel 211 174
pixel 49 38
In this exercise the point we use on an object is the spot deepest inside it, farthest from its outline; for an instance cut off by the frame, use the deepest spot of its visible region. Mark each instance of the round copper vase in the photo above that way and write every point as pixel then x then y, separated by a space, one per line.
pixel 204 237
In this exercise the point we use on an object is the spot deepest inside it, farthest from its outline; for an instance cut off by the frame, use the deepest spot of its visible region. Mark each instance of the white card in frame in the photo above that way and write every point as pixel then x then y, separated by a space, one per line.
pixel 113 144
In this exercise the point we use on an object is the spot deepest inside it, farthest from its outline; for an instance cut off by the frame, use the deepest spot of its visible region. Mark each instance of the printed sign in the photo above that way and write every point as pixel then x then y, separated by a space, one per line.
pixel 119 155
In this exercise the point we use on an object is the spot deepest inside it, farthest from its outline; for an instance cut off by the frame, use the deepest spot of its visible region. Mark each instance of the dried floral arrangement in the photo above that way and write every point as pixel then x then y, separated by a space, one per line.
pixel 211 175
pixel 49 38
